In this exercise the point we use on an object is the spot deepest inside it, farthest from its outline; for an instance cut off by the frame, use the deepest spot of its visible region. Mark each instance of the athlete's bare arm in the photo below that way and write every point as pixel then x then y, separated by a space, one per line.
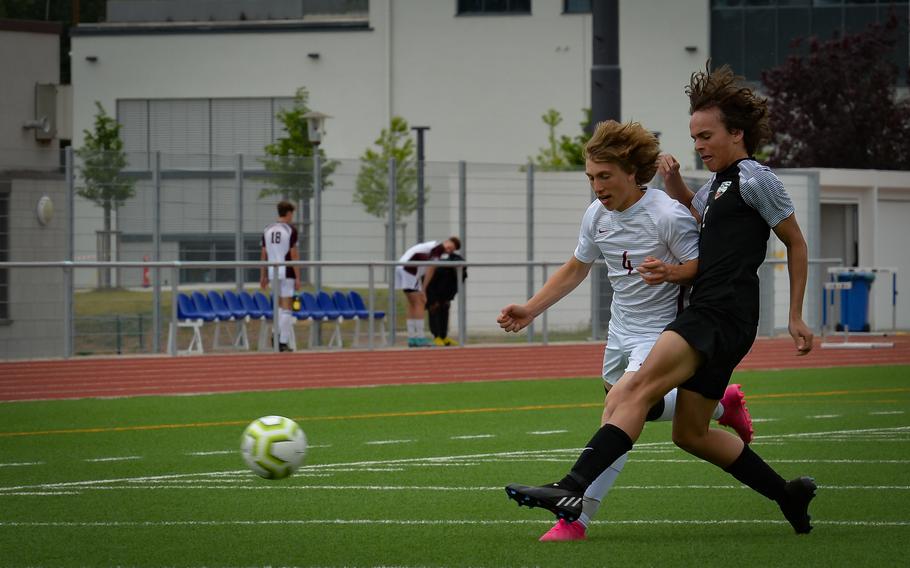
pixel 295 255
pixel 654 271
pixel 516 317
pixel 263 279
pixel 668 168
pixel 789 233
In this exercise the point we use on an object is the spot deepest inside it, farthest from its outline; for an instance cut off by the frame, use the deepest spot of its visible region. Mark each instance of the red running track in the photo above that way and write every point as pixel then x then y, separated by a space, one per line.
pixel 161 375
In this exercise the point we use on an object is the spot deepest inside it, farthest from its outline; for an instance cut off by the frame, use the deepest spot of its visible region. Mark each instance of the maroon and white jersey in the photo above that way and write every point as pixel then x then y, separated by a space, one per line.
pixel 656 225
pixel 278 240
pixel 429 250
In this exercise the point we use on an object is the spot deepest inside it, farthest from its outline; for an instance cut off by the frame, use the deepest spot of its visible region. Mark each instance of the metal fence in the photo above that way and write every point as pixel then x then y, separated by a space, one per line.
pixel 195 221
pixel 144 321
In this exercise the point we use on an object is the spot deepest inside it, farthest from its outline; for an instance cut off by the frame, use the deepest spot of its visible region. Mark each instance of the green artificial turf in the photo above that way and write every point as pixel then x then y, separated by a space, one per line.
pixel 413 476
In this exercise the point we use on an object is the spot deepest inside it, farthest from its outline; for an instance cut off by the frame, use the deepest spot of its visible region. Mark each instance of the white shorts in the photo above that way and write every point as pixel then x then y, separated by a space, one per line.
pixel 625 354
pixel 404 280
pixel 287 287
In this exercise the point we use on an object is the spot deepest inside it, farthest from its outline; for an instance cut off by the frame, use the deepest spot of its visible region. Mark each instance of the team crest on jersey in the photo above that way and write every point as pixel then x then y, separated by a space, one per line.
pixel 722 188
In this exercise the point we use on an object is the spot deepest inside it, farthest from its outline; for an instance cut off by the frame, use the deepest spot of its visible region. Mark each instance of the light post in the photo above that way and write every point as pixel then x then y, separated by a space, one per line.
pixel 420 183
pixel 315 127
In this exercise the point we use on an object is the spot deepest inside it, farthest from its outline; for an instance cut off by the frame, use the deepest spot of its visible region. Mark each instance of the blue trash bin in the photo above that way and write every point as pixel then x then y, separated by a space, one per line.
pixel 854 303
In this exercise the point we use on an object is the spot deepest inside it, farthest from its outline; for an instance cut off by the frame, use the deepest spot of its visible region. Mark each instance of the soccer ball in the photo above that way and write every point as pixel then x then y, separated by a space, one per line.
pixel 273 446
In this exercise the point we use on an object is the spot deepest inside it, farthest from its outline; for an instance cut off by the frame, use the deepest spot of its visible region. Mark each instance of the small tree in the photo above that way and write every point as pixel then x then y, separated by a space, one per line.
pixel 102 163
pixel 837 107
pixel 562 152
pixel 289 162
pixel 373 179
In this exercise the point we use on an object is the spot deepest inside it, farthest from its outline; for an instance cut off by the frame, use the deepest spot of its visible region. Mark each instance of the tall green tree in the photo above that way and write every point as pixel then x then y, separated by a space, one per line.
pixel 289 163
pixel 837 105
pixel 562 152
pixel 372 189
pixel 101 164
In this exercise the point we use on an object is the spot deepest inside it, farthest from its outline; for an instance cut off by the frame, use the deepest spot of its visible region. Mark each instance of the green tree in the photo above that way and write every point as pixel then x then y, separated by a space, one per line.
pixel 373 179
pixel 289 163
pixel 562 152
pixel 102 161
pixel 837 107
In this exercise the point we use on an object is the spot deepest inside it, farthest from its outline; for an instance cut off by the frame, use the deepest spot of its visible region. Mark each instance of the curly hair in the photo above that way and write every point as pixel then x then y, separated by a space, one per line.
pixel 629 145
pixel 740 108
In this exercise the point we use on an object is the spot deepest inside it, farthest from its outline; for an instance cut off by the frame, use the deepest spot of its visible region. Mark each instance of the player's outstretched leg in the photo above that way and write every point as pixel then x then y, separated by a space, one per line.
pixel 563 503
pixel 564 531
pixel 736 415
pixel 795 505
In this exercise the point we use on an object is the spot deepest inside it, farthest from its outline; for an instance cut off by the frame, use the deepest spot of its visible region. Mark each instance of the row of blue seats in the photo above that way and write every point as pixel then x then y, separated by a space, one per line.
pixel 231 305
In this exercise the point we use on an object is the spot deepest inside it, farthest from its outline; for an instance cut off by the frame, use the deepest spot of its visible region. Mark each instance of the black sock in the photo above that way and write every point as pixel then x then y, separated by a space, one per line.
pixel 754 472
pixel 605 447
pixel 655 411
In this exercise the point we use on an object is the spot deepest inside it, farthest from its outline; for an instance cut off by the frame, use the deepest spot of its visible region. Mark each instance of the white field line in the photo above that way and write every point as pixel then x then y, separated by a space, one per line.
pixel 121 458
pixel 820 416
pixel 20 464
pixel 446 488
pixel 474 437
pixel 547 432
pixel 883 413
pixel 386 442
pixel 383 464
pixel 431 522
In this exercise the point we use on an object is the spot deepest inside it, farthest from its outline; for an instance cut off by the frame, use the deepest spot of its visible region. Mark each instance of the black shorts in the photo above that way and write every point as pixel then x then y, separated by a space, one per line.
pixel 721 339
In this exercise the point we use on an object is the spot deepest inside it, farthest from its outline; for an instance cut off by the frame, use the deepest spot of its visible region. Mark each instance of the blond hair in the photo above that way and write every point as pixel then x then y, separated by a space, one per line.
pixel 629 146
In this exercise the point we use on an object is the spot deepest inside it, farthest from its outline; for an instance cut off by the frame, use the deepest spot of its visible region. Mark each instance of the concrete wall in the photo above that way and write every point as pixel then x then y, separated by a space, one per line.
pixel 36 294
pixel 37 60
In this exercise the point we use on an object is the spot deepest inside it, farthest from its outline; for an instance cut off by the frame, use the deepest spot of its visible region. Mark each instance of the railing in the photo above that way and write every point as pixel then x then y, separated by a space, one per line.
pixel 585 309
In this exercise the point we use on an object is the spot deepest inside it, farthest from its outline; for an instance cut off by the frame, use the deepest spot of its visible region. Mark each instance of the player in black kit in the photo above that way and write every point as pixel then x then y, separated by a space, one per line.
pixel 737 209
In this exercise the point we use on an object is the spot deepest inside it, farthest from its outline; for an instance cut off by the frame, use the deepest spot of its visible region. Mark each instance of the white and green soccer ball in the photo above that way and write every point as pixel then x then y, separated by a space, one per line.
pixel 273 446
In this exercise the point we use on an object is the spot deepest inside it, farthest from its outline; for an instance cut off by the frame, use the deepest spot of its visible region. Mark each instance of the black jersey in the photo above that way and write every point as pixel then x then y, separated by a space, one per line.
pixel 739 206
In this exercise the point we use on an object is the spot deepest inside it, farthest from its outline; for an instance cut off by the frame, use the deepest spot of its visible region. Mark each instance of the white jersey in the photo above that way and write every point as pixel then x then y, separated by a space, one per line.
pixel 278 240
pixel 429 250
pixel 656 225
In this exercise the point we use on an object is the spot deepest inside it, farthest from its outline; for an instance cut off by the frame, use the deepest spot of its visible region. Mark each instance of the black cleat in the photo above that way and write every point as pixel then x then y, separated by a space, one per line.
pixel 283 347
pixel 800 492
pixel 561 502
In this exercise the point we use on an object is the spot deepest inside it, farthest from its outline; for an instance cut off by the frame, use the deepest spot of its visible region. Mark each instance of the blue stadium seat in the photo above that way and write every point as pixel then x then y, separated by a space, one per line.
pixel 235 305
pixel 231 302
pixel 328 306
pixel 187 316
pixel 343 305
pixel 218 315
pixel 322 311
pixel 249 304
pixel 264 304
pixel 363 313
pixel 216 300
pixel 302 313
pixel 312 307
pixel 186 309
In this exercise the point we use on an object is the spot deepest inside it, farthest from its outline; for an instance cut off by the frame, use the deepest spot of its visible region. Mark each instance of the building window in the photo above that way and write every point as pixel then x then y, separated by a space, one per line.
pixel 4 253
pixel 754 35
pixel 216 248
pixel 576 7
pixel 494 6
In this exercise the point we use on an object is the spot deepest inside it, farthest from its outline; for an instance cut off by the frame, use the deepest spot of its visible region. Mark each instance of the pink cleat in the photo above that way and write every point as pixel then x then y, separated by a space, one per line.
pixel 736 415
pixel 565 531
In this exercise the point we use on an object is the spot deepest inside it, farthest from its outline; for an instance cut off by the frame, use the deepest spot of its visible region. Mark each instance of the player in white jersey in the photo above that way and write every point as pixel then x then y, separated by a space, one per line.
pixel 279 243
pixel 412 280
pixel 650 244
